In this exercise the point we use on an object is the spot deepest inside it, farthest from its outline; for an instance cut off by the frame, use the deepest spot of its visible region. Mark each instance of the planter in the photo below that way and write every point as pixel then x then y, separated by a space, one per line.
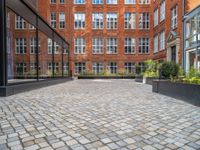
pixel 105 77
pixel 139 78
pixel 149 80
pixel 183 91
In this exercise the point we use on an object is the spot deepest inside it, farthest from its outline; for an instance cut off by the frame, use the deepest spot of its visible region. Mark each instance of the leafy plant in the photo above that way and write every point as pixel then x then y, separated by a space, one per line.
pixel 169 70
pixel 151 68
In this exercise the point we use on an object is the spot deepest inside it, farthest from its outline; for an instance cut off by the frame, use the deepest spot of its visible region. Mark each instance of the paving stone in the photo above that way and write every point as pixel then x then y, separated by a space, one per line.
pixel 98 114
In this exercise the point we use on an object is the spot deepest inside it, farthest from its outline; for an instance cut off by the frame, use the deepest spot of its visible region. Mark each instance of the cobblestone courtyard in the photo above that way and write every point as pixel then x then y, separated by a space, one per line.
pixel 97 114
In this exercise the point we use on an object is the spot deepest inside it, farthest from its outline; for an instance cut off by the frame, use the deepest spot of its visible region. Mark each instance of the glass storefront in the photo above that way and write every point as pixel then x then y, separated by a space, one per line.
pixel 192 40
pixel 32 50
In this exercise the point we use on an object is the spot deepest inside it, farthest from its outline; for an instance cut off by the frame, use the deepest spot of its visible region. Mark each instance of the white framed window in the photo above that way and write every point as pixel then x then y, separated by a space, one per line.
pixel 79 20
pixel 144 1
pixel 111 1
pixel 162 11
pixel 144 21
pixel 97 1
pixel 130 1
pixel 97 45
pixel 129 67
pixel 80 67
pixel 129 20
pixel 111 20
pixel 111 44
pixel 155 43
pixel 155 17
pixel 65 68
pixel 112 67
pixel 97 67
pixel 62 1
pixel 52 1
pixel 33 45
pixel 79 1
pixel 144 45
pixel 33 67
pixel 162 40
pixel 21 68
pixel 20 45
pixel 97 21
pixel 56 67
pixel 61 20
pixel 79 45
pixel 20 23
pixel 53 20
pixel 174 17
pixel 50 46
pixel 31 27
pixel 130 45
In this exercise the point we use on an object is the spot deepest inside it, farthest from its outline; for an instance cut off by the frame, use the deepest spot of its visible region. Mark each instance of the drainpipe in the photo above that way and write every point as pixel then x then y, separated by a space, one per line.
pixel 183 34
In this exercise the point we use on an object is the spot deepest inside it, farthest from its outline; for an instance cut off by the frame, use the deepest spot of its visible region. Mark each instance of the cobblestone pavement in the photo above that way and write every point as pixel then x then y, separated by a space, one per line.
pixel 97 114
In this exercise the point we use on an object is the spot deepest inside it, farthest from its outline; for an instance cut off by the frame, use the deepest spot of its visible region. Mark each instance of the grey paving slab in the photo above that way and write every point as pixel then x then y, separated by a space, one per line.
pixel 98 115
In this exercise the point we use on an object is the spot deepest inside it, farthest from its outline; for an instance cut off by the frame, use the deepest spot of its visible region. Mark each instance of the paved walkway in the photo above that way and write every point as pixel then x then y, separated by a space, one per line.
pixel 97 114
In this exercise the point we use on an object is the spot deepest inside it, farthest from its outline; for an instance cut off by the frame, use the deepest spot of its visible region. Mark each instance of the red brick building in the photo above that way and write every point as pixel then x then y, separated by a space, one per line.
pixel 116 35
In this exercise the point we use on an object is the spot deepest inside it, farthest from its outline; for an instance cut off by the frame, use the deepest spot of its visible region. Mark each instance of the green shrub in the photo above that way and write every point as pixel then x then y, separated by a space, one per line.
pixel 192 77
pixel 151 68
pixel 169 70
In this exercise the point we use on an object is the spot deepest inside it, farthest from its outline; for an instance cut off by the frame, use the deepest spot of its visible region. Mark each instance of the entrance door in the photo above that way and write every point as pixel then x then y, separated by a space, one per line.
pixel 173 53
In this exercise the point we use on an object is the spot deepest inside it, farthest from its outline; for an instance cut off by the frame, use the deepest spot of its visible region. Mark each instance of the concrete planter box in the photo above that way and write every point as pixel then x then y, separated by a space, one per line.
pixel 149 80
pixel 183 91
pixel 139 78
pixel 106 77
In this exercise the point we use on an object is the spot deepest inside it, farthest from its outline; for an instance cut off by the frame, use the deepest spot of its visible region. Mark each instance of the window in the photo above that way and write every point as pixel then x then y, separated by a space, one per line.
pixel 174 17
pixel 33 67
pixel 31 27
pixel 19 22
pixel 144 1
pixel 97 45
pixel 143 45
pixel 80 67
pixel 62 20
pixel 97 67
pixel 65 68
pixel 20 68
pixel 33 45
pixel 162 11
pixel 79 1
pixel 97 1
pixel 129 67
pixel 79 45
pixel 144 21
pixel 53 20
pixel 162 40
pixel 129 20
pixel 111 20
pixel 62 1
pixel 155 45
pixel 56 67
pixel 52 1
pixel 20 45
pixel 111 45
pixel 112 67
pixel 141 67
pixel 97 20
pixel 79 21
pixel 130 45
pixel 129 1
pixel 56 47
pixel 156 17
pixel 111 1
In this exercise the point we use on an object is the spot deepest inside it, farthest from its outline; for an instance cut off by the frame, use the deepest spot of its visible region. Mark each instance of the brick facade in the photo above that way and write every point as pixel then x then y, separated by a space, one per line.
pixel 172 36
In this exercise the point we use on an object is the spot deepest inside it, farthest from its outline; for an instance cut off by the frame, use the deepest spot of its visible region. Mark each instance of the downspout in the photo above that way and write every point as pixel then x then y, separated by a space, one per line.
pixel 183 34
